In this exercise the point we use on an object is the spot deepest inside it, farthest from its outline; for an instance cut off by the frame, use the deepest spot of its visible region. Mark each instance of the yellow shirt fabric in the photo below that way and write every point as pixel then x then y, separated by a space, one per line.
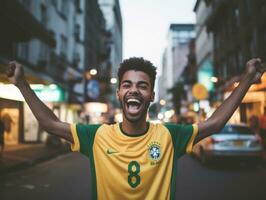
pixel 133 167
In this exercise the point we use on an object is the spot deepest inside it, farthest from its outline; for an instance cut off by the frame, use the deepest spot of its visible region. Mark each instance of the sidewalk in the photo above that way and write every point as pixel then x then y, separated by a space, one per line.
pixel 23 155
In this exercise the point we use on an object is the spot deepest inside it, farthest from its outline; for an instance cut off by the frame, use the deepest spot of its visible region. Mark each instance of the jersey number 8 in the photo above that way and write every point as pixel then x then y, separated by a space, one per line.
pixel 133 174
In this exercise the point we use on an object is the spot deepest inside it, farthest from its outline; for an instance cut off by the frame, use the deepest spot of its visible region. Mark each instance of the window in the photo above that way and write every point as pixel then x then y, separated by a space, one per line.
pixel 44 18
pixel 64 7
pixel 63 46
pixel 78 6
pixel 23 50
pixel 77 32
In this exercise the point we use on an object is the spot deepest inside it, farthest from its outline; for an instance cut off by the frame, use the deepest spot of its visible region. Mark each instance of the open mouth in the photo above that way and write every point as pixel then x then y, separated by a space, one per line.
pixel 133 105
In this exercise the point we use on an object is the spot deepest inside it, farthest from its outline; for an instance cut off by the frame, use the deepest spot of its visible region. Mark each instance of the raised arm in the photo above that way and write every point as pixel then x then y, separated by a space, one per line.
pixel 253 73
pixel 46 118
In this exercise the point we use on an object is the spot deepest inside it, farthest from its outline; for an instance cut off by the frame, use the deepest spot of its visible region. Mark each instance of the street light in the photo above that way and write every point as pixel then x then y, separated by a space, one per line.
pixel 113 80
pixel 162 102
pixel 93 72
pixel 214 79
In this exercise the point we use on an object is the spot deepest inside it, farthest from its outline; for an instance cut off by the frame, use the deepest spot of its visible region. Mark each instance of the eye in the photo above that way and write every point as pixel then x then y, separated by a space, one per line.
pixel 125 85
pixel 143 86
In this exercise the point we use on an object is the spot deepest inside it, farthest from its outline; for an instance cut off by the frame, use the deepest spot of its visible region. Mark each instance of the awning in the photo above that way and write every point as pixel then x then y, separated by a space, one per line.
pixel 18 24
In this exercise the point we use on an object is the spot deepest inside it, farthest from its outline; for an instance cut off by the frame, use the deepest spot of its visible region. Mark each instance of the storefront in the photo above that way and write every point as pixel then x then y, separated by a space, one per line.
pixel 21 125
pixel 10 113
pixel 252 104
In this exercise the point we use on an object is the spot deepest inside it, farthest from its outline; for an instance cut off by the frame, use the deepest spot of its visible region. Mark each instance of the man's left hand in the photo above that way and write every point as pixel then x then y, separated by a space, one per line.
pixel 255 69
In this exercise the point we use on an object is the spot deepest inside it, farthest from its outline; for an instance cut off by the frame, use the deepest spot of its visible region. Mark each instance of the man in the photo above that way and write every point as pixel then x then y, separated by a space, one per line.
pixel 134 159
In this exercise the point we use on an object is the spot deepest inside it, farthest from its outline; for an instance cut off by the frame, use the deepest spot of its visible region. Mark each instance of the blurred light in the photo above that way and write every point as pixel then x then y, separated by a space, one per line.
pixel 196 106
pixel 162 102
pixel 93 72
pixel 9 91
pixel 53 86
pixel 118 117
pixel 95 107
pixel 205 104
pixel 236 84
pixel 156 121
pixel 169 113
pixel 214 79
pixel 160 116
pixel 113 80
pixel 37 86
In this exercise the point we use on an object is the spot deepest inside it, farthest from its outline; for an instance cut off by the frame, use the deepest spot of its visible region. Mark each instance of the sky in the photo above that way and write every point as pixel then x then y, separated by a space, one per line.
pixel 146 24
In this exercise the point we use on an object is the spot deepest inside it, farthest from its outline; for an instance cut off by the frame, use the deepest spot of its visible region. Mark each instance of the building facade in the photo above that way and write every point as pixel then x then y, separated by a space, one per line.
pixel 56 41
pixel 175 58
pixel 203 47
pixel 112 14
pixel 238 29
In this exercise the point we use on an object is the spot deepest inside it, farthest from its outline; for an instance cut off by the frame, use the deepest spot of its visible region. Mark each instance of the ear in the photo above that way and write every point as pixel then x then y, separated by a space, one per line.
pixel 117 94
pixel 152 96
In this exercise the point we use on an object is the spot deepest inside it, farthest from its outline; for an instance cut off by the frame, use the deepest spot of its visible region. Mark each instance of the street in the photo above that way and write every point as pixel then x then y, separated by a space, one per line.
pixel 67 177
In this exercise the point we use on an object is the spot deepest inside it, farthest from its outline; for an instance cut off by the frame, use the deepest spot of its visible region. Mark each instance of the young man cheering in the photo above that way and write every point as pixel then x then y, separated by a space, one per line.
pixel 134 159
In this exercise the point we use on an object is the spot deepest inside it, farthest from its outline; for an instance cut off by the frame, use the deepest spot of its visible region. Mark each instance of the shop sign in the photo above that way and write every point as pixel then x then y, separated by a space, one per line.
pixel 51 93
pixel 199 91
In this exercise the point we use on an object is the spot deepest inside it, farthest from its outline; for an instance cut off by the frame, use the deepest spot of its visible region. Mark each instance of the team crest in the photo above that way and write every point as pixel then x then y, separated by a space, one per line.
pixel 154 152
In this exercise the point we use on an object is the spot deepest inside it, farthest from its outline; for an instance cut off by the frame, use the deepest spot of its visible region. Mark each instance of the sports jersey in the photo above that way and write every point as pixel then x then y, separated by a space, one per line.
pixel 133 166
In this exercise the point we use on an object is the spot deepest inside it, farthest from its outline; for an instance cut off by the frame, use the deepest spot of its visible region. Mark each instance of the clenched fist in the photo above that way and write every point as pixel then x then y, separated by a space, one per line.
pixel 255 69
pixel 15 73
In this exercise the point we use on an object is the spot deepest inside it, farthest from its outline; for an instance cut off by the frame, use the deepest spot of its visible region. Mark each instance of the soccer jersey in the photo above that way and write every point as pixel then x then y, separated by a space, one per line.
pixel 133 167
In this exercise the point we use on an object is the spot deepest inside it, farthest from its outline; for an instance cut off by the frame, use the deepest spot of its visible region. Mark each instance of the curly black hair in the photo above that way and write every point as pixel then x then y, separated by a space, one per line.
pixel 137 64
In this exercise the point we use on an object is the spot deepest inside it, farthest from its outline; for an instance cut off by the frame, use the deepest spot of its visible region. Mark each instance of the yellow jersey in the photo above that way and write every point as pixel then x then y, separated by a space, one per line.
pixel 133 167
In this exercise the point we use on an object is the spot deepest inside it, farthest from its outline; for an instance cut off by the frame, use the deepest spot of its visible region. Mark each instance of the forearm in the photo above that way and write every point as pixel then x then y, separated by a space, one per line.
pixel 42 113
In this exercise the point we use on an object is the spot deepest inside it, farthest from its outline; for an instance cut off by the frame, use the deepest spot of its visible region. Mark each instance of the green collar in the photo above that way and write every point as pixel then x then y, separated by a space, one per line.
pixel 135 135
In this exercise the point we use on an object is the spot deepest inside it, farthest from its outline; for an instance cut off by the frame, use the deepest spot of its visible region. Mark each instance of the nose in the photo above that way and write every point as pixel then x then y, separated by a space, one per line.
pixel 133 89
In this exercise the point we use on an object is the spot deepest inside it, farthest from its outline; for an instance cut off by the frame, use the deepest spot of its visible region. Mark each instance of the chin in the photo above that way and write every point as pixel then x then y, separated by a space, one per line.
pixel 135 118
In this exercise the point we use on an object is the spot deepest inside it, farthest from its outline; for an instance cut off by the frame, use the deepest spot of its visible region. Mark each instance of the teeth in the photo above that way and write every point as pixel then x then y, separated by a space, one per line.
pixel 133 100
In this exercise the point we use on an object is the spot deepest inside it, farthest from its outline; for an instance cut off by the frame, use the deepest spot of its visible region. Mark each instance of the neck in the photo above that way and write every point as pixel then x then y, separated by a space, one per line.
pixel 134 128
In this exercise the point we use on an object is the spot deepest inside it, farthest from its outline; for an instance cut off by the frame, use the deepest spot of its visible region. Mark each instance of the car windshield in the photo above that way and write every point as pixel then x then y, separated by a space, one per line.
pixel 236 130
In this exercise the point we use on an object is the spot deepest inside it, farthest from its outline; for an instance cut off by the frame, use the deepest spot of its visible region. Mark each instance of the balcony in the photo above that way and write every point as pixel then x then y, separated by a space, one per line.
pixel 18 24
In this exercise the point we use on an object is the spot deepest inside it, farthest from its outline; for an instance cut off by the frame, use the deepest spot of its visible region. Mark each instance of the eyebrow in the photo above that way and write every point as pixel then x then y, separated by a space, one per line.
pixel 139 82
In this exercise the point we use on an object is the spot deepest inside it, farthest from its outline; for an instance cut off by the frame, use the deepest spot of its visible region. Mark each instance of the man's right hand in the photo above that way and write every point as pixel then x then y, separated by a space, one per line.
pixel 15 73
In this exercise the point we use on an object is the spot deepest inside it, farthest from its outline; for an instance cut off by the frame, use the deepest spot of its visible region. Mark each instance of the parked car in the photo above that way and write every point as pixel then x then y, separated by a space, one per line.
pixel 233 141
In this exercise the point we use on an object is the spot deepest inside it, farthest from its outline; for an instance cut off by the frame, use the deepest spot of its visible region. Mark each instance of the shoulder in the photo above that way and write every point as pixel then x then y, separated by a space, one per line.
pixel 87 128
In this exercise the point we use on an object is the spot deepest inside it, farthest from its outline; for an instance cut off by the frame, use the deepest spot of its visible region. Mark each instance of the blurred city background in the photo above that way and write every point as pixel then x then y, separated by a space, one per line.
pixel 71 50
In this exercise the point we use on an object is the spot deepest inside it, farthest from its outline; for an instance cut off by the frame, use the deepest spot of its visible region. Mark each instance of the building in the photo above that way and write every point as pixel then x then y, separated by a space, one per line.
pixel 238 29
pixel 175 58
pixel 204 57
pixel 56 41
pixel 204 47
pixel 112 14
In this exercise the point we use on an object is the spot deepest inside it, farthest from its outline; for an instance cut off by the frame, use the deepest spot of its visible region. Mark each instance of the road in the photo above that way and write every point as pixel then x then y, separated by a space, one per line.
pixel 67 177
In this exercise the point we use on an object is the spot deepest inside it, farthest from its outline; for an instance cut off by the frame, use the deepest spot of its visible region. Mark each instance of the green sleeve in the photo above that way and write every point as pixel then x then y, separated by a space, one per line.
pixel 83 135
pixel 183 137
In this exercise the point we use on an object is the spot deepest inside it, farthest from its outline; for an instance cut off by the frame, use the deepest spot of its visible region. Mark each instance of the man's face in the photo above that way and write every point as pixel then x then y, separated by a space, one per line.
pixel 135 94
